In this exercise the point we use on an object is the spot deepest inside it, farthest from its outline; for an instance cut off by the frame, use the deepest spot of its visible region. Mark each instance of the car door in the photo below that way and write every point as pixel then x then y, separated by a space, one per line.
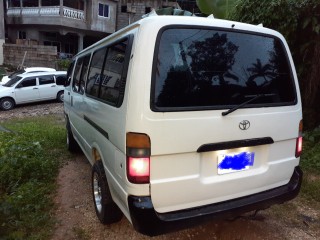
pixel 47 87
pixel 27 91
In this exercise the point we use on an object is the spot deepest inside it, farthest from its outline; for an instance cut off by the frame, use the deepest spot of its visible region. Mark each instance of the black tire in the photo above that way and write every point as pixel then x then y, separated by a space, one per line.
pixel 60 96
pixel 6 104
pixel 107 211
pixel 72 144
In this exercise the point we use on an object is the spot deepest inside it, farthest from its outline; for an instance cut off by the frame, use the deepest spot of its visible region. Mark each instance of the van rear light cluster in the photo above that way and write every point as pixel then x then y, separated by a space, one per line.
pixel 299 141
pixel 138 158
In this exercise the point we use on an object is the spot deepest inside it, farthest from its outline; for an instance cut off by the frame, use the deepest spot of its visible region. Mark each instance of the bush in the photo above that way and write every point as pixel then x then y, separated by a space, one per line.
pixel 299 22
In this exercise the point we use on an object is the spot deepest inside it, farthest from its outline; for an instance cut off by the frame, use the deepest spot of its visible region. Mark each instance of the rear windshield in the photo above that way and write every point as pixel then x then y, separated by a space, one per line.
pixel 197 69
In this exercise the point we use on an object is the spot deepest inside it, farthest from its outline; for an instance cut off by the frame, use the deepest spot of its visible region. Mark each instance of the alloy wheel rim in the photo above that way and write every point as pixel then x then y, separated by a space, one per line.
pixel 97 192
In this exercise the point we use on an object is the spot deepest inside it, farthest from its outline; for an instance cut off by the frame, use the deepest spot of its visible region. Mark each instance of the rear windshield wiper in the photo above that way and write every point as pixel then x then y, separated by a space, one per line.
pixel 255 97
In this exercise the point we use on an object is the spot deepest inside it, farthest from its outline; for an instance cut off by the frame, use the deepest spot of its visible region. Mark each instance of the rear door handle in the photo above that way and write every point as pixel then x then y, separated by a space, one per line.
pixel 35 88
pixel 53 86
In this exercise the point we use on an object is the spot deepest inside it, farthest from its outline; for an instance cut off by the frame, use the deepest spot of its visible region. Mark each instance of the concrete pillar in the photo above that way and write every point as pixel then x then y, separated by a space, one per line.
pixel 2 33
pixel 80 41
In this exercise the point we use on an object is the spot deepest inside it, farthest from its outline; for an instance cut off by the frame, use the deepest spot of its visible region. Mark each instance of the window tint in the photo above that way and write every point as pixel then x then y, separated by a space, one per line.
pixel 28 82
pixel 107 73
pixel 95 72
pixel 80 74
pixel 111 74
pixel 46 80
pixel 69 73
pixel 206 68
pixel 61 79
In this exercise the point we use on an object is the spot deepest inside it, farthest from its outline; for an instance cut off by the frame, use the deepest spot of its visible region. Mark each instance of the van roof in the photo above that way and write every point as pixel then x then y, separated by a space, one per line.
pixel 159 21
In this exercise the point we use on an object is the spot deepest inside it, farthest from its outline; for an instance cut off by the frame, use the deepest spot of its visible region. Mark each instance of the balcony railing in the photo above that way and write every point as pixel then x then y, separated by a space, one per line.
pixel 46 11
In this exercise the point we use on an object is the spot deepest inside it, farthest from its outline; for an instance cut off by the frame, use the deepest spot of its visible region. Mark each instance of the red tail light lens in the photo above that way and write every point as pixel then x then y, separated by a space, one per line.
pixel 138 170
pixel 299 147
pixel 299 141
pixel 138 158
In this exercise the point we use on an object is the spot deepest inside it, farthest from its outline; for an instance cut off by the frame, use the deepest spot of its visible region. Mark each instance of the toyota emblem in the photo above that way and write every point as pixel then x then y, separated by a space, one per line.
pixel 244 125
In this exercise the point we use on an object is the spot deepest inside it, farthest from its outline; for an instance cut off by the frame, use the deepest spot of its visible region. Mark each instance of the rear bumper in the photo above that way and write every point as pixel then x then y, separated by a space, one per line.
pixel 147 221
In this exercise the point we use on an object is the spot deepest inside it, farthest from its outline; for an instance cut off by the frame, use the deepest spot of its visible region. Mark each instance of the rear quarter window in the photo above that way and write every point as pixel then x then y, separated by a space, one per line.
pixel 197 69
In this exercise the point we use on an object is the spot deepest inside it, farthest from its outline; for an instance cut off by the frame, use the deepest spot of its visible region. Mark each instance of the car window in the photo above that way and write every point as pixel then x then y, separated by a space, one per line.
pixel 46 80
pixel 29 82
pixel 80 74
pixel 198 69
pixel 12 81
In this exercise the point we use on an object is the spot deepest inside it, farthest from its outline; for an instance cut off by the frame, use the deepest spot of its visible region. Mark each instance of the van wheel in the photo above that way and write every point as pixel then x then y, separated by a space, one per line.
pixel 106 209
pixel 6 104
pixel 60 96
pixel 72 144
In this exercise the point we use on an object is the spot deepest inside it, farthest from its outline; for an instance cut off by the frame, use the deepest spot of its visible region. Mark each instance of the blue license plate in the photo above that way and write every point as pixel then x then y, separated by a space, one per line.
pixel 235 162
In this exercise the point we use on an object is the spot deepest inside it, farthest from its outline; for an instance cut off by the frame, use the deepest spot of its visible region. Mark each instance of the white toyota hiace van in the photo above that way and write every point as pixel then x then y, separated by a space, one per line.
pixel 186 119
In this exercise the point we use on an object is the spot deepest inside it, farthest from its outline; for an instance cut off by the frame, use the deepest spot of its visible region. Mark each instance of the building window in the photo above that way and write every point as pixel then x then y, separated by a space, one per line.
pixel 103 10
pixel 22 35
pixel 30 3
pixel 50 3
pixel 13 3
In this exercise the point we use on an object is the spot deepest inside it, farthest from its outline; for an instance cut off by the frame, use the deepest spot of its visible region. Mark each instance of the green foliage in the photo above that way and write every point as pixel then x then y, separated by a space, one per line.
pixel 310 163
pixel 219 8
pixel 29 162
pixel 63 64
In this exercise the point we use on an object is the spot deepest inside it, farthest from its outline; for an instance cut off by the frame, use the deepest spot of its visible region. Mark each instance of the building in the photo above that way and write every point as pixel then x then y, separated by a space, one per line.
pixel 71 25
pixel 2 32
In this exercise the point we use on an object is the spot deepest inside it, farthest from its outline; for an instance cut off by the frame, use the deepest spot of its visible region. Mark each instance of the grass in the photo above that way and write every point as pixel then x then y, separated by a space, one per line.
pixel 310 163
pixel 30 158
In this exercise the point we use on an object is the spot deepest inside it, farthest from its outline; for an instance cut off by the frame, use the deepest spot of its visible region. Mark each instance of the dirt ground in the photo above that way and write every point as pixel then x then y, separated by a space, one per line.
pixel 76 219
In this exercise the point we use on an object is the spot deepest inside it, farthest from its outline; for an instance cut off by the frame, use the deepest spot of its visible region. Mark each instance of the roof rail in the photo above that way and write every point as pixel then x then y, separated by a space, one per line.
pixel 168 11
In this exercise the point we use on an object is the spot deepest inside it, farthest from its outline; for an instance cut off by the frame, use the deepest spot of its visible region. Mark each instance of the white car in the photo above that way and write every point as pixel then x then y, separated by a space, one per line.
pixel 5 79
pixel 32 87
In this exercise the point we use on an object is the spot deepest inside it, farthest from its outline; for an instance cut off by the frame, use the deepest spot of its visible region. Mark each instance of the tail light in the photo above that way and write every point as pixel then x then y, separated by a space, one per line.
pixel 299 141
pixel 138 158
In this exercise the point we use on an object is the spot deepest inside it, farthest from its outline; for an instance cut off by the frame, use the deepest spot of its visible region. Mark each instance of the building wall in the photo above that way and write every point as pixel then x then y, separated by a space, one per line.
pixel 36 56
pixel 2 33
pixel 135 9
pixel 102 24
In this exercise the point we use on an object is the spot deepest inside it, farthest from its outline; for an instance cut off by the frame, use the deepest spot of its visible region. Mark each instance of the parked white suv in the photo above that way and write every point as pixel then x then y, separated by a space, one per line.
pixel 32 87
pixel 5 79
pixel 185 119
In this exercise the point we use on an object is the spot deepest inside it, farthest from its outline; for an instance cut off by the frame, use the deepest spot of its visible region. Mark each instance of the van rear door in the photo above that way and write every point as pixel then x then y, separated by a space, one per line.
pixel 201 153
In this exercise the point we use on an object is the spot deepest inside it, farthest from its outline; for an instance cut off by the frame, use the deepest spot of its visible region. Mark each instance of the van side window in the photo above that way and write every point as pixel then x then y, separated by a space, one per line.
pixel 80 74
pixel 94 74
pixel 112 72
pixel 107 73
pixel 76 75
pixel 69 73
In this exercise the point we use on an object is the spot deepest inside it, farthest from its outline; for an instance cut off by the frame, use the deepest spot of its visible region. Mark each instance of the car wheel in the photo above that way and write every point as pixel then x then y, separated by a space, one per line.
pixel 72 144
pixel 60 96
pixel 106 209
pixel 6 104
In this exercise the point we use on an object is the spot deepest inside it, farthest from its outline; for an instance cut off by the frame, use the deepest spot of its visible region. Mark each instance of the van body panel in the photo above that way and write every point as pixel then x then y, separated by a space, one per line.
pixel 183 176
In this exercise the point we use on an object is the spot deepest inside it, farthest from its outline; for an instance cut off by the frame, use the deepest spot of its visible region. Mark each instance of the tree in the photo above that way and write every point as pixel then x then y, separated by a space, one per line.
pixel 219 8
